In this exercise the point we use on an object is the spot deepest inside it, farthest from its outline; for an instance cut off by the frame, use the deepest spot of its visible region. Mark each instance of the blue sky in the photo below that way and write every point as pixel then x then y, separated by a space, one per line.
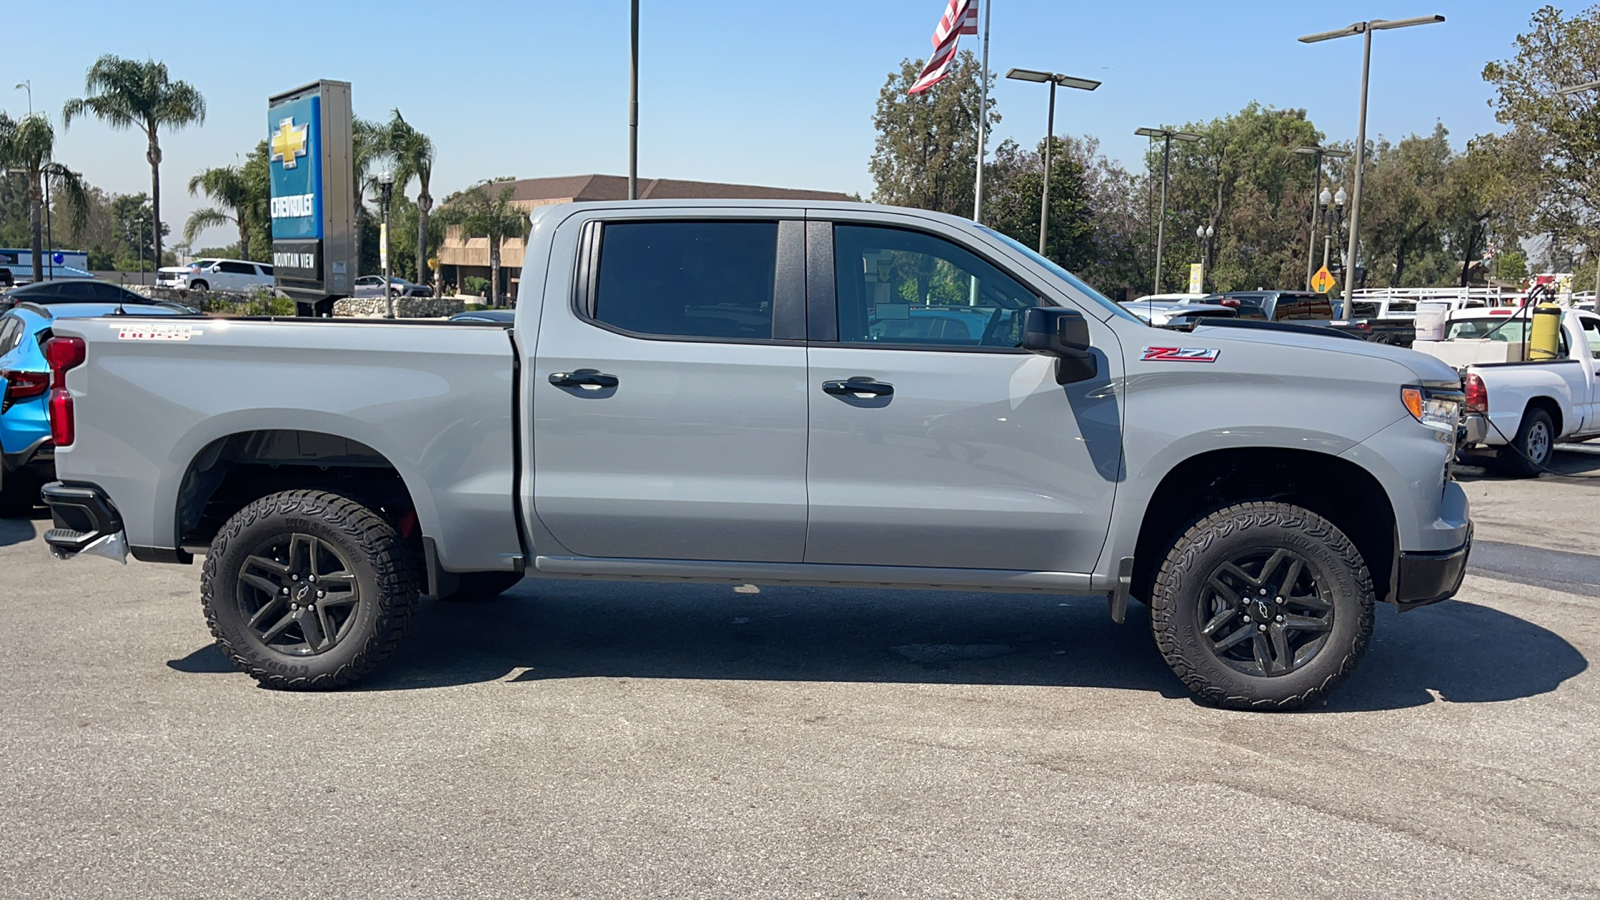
pixel 743 90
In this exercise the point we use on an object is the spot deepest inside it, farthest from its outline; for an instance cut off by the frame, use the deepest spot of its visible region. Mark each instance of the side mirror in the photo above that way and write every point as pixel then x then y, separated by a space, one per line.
pixel 1064 334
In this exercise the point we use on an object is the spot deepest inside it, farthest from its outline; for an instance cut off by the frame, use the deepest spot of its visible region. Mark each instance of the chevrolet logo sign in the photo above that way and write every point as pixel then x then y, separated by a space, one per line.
pixel 288 143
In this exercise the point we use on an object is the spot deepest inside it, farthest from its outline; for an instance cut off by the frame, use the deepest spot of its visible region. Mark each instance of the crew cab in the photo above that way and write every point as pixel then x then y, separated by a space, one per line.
pixel 1519 408
pixel 230 275
pixel 828 394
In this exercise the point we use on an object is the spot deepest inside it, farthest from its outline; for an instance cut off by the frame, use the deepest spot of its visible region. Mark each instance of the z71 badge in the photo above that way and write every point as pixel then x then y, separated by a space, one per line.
pixel 1180 354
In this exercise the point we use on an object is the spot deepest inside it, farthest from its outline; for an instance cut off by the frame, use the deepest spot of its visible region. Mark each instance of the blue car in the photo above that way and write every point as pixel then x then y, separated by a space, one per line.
pixel 28 457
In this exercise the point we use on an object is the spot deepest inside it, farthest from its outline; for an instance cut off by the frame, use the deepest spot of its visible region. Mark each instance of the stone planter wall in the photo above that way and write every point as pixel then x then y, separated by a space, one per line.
pixel 404 307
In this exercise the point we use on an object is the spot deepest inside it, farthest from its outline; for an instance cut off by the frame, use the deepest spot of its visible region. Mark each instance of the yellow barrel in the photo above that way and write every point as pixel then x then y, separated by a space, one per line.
pixel 1545 340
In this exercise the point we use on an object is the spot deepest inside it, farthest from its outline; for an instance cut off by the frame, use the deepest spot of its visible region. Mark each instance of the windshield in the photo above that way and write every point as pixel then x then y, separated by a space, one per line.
pixel 1071 279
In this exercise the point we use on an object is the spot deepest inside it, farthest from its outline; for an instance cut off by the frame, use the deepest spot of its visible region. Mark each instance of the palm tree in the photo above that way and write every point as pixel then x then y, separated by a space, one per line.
pixel 367 148
pixel 413 158
pixel 238 198
pixel 126 93
pixel 28 148
pixel 484 211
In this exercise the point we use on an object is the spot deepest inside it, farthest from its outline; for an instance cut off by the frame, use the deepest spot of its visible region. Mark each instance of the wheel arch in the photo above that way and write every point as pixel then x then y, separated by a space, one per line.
pixel 1550 405
pixel 1340 491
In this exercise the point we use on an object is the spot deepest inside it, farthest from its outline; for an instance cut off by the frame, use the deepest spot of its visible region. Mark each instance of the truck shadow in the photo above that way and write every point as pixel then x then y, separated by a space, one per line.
pixel 20 531
pixel 1454 652
pixel 1582 460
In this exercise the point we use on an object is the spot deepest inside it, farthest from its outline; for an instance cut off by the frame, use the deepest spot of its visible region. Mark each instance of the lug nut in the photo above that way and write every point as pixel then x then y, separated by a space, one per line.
pixel 1280 600
pixel 297 578
pixel 1263 592
pixel 1261 628
pixel 325 593
pixel 312 578
pixel 283 590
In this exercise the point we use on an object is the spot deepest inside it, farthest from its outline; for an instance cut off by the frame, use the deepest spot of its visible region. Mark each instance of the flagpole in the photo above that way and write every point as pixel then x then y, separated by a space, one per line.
pixel 983 119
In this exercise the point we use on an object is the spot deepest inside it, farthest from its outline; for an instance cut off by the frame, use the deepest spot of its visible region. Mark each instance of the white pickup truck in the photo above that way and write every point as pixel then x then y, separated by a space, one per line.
pixel 1513 402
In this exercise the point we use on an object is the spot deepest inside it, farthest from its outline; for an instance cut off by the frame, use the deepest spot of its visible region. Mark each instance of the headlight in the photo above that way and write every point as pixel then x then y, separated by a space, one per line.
pixel 1439 409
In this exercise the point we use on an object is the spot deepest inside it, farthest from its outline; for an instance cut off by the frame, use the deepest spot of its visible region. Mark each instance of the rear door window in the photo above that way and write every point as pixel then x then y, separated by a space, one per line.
pixel 1591 333
pixel 689 280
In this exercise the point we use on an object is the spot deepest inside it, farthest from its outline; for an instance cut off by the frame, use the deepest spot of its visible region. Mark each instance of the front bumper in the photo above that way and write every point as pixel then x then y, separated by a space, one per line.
pixel 1424 578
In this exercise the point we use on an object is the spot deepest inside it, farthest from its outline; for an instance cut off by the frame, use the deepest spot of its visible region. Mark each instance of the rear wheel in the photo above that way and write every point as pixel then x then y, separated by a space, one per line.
pixel 1262 606
pixel 308 590
pixel 1531 450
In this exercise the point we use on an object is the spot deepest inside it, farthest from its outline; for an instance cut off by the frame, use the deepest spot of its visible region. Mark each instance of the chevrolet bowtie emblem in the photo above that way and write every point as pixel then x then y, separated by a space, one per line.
pixel 289 142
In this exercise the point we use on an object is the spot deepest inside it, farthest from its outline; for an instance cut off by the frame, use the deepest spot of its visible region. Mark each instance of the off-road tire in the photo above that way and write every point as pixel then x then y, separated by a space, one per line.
pixel 477 586
pixel 385 572
pixel 1530 452
pixel 1175 617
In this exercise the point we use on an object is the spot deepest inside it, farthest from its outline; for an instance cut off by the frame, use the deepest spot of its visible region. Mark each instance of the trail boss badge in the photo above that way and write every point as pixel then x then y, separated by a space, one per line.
pixel 1181 354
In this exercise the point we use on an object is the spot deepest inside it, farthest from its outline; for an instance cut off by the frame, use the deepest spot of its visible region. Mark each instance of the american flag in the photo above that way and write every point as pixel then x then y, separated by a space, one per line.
pixel 960 18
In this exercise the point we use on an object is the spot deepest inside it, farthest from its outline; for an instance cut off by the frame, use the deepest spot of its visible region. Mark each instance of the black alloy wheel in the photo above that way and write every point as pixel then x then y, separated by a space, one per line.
pixel 1266 612
pixel 298 594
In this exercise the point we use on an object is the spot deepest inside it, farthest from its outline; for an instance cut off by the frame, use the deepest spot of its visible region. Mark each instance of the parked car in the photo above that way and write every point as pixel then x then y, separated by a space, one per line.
pixel 1519 409
pixel 372 286
pixel 232 275
pixel 26 451
pixel 73 291
pixel 1310 308
pixel 1179 315
pixel 683 399
pixel 497 316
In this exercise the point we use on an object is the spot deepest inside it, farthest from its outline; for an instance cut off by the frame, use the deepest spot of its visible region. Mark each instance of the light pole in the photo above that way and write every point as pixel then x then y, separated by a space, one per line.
pixel 633 110
pixel 1567 91
pixel 1319 152
pixel 1204 234
pixel 1366 29
pixel 386 189
pixel 1168 136
pixel 1053 79
pixel 1324 199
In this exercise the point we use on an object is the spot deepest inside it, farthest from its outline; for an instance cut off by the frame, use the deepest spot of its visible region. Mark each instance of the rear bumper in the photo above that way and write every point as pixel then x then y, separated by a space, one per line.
pixel 84 520
pixel 41 451
pixel 1474 429
pixel 1425 578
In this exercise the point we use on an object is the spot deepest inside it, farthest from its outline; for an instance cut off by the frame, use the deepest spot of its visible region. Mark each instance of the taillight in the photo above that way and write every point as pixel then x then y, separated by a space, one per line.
pixel 63 354
pixel 1477 394
pixel 22 386
pixel 1229 301
pixel 1363 326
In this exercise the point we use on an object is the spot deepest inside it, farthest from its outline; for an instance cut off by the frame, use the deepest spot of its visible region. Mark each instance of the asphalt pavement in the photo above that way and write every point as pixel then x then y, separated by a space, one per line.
pixel 603 740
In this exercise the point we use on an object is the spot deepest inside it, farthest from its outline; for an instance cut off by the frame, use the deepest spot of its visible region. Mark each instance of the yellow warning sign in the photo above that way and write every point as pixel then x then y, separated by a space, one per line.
pixel 1322 282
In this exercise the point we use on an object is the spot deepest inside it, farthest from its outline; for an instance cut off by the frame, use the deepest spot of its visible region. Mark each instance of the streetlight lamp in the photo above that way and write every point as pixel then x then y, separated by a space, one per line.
pixel 1204 234
pixel 633 113
pixel 1053 79
pixel 1324 199
pixel 1317 191
pixel 1568 91
pixel 1366 29
pixel 386 189
pixel 1168 136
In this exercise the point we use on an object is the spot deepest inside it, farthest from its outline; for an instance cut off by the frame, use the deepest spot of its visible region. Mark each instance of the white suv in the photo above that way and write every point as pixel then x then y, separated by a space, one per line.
pixel 235 275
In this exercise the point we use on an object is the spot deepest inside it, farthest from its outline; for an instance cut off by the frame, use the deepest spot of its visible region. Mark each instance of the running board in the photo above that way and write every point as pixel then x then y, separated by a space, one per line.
pixel 815 574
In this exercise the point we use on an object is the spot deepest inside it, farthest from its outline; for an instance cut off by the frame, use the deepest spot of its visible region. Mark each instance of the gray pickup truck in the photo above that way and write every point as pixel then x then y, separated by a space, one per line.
pixel 821 394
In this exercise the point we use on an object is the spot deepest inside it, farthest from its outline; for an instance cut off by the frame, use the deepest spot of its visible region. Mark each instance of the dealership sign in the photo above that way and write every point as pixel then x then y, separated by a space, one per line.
pixel 312 208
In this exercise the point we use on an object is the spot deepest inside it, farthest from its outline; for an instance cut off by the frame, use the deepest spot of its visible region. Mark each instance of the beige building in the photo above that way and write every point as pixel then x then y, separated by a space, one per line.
pixel 461 257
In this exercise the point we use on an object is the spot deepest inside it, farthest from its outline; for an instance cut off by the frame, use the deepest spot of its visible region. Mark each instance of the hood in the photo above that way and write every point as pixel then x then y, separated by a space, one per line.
pixel 1425 367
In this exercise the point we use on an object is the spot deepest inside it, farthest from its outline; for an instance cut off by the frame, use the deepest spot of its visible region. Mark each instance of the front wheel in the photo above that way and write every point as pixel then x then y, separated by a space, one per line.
pixel 199 286
pixel 1262 606
pixel 308 590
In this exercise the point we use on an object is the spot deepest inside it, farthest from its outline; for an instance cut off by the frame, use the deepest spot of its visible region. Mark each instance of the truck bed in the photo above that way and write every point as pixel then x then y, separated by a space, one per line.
pixel 157 403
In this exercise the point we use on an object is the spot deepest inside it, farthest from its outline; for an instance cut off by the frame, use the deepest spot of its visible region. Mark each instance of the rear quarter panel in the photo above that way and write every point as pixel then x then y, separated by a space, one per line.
pixel 435 401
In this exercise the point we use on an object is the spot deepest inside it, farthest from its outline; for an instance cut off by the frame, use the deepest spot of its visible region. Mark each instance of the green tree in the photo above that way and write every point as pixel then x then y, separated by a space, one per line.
pixel 1404 200
pixel 28 147
pixel 133 223
pixel 927 146
pixel 237 198
pixel 1548 158
pixel 485 210
pixel 1016 188
pixel 367 152
pixel 1244 180
pixel 126 93
pixel 412 152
